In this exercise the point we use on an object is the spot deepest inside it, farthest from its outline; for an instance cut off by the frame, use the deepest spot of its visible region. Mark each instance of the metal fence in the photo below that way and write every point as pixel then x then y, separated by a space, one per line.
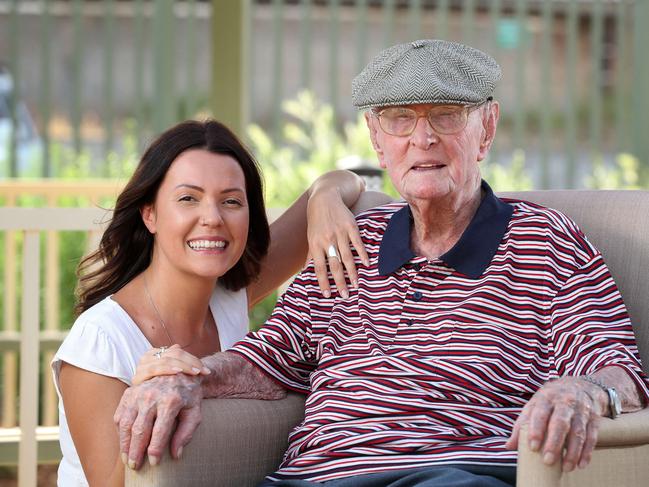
pixel 570 68
pixel 97 72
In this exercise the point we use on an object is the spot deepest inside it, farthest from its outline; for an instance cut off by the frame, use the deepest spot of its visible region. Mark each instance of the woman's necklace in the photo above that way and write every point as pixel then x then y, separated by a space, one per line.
pixel 164 327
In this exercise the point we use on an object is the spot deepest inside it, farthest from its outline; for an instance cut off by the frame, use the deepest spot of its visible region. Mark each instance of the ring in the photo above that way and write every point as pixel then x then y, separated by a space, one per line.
pixel 331 252
pixel 159 353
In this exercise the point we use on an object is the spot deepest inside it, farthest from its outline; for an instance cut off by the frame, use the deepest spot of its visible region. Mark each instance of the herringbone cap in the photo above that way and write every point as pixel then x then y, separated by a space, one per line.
pixel 426 71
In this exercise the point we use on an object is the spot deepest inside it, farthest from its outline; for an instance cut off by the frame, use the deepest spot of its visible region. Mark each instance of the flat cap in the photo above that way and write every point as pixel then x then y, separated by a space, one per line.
pixel 426 71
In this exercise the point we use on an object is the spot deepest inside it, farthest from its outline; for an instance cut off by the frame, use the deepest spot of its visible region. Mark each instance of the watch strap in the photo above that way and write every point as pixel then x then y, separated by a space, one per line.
pixel 614 408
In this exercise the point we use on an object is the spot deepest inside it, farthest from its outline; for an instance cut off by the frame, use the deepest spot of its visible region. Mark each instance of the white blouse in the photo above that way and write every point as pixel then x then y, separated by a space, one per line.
pixel 105 340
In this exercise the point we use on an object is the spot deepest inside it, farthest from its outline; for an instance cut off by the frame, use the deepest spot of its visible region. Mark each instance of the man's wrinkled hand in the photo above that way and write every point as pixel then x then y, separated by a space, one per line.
pixel 147 414
pixel 563 415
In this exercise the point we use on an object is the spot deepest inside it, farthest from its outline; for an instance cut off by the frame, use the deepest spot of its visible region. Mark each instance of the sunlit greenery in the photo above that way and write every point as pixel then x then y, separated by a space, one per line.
pixel 309 145
pixel 624 175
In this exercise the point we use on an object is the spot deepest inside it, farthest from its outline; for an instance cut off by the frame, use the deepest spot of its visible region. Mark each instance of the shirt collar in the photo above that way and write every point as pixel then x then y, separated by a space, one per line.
pixel 470 255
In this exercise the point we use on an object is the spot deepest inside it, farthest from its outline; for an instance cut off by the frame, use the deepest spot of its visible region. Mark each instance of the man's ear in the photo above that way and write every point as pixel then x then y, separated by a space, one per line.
pixel 148 217
pixel 373 126
pixel 489 129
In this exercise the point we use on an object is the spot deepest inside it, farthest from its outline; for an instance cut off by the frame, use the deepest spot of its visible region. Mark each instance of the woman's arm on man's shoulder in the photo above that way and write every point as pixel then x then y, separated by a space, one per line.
pixel 319 218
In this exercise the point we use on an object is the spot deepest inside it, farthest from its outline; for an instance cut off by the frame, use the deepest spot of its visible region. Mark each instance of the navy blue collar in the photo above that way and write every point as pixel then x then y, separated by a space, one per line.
pixel 470 255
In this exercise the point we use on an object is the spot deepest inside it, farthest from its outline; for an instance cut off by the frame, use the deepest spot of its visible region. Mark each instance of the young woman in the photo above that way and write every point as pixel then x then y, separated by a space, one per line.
pixel 188 251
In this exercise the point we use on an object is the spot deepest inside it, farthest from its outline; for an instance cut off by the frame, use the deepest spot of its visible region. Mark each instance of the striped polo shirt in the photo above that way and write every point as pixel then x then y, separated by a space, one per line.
pixel 429 362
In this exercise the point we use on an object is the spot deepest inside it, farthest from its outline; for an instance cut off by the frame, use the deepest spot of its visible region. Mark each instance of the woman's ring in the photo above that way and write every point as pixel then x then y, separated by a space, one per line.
pixel 331 252
pixel 159 353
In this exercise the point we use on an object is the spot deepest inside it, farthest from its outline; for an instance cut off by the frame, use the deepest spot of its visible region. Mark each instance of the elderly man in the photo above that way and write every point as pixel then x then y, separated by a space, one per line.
pixel 475 314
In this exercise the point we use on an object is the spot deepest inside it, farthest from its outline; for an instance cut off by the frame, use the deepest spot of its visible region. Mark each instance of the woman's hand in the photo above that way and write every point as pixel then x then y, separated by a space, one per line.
pixel 167 361
pixel 318 220
pixel 331 233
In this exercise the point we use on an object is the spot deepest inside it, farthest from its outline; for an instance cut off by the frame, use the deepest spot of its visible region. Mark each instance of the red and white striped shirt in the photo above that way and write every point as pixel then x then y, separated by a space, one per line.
pixel 431 362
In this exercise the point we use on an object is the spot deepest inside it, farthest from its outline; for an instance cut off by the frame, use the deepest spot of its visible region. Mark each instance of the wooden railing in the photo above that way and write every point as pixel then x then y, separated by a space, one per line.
pixel 27 332
pixel 31 333
pixel 29 223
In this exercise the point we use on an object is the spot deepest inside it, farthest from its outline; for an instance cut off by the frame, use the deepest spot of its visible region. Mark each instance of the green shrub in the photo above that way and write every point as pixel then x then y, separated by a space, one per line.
pixel 625 174
pixel 308 146
pixel 512 177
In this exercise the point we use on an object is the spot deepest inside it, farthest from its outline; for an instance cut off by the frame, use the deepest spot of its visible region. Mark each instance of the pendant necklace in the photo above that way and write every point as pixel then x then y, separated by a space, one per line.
pixel 164 327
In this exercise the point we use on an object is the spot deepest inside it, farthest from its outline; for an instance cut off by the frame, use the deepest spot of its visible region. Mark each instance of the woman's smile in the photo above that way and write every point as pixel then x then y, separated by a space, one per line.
pixel 207 244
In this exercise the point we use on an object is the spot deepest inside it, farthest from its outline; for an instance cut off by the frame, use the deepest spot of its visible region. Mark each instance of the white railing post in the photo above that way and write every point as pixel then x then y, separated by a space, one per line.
pixel 29 348
pixel 10 324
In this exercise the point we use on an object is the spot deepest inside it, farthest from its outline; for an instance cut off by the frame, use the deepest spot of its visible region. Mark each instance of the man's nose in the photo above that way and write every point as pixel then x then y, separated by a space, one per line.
pixel 424 135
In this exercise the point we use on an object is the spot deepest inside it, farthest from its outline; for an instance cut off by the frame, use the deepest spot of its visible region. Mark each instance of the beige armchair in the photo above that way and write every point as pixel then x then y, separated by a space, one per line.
pixel 240 441
pixel 617 223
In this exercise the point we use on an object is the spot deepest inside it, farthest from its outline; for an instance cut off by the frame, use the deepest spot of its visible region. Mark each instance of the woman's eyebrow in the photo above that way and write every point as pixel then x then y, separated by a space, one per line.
pixel 234 189
pixel 190 186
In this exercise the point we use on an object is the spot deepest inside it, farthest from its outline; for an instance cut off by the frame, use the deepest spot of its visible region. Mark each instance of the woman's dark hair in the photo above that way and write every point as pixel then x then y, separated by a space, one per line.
pixel 126 247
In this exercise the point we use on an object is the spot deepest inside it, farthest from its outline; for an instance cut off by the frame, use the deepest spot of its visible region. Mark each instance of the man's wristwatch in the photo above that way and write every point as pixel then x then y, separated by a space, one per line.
pixel 614 403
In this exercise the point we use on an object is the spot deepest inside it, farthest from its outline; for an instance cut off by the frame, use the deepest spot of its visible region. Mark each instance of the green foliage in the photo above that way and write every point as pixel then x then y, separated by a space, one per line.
pixel 262 310
pixel 73 246
pixel 624 175
pixel 118 165
pixel 512 177
pixel 2 281
pixel 309 146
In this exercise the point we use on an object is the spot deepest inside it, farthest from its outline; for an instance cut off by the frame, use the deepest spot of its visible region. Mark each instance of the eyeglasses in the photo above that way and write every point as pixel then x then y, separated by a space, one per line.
pixel 446 119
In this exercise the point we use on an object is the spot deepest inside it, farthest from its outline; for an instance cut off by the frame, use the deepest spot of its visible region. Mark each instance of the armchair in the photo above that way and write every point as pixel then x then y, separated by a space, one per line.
pixel 617 223
pixel 240 441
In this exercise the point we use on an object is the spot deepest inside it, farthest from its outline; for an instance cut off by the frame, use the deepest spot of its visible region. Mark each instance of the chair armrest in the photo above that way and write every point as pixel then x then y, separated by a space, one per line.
pixel 627 429
pixel 238 442
pixel 617 459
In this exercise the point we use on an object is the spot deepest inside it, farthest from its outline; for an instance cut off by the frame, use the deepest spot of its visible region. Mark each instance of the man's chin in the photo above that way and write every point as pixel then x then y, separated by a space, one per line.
pixel 428 193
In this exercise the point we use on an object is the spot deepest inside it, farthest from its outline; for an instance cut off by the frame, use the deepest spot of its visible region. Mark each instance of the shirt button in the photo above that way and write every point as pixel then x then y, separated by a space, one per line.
pixel 409 322
pixel 418 267
pixel 417 296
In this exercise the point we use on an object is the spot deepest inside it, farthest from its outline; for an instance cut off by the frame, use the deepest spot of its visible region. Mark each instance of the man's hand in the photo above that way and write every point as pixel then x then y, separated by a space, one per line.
pixel 563 414
pixel 147 413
